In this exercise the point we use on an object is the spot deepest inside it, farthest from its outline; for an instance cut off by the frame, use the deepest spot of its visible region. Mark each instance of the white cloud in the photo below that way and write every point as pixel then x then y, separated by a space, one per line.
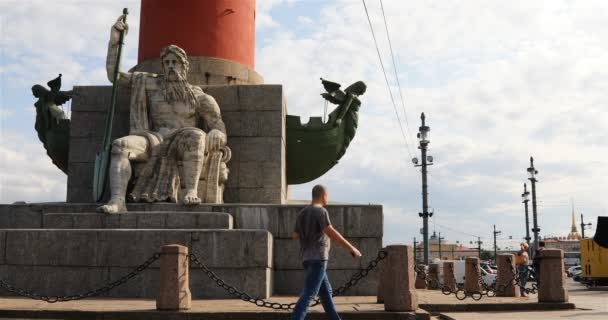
pixel 499 81
pixel 26 173
pixel 6 113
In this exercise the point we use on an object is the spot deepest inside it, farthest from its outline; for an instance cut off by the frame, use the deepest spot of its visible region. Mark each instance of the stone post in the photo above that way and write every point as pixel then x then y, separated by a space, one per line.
pixel 448 276
pixel 398 280
pixel 383 275
pixel 174 279
pixel 471 275
pixel 552 278
pixel 420 280
pixel 506 278
pixel 433 276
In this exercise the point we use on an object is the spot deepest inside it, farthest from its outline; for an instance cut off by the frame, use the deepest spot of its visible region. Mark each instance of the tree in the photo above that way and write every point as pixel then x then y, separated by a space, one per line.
pixel 487 255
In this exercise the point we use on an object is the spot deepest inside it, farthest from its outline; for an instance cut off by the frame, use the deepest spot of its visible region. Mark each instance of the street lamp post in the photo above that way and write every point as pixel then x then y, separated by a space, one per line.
pixel 423 136
pixel 440 238
pixel 583 225
pixel 532 172
pixel 415 249
pixel 495 251
pixel 525 197
pixel 478 246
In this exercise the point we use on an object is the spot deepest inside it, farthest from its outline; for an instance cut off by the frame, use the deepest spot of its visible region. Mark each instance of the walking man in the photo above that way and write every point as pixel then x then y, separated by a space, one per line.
pixel 314 230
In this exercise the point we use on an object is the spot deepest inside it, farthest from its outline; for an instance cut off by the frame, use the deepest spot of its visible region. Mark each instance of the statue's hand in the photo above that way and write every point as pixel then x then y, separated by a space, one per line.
pixel 117 28
pixel 215 140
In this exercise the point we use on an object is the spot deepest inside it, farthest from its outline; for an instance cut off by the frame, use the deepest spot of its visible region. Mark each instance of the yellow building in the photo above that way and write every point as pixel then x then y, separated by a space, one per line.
pixel 445 251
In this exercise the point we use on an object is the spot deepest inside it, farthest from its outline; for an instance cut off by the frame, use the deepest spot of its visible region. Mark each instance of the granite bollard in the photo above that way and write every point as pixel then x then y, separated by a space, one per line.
pixel 433 276
pixel 552 278
pixel 449 282
pixel 506 279
pixel 174 292
pixel 398 279
pixel 420 278
pixel 381 280
pixel 471 275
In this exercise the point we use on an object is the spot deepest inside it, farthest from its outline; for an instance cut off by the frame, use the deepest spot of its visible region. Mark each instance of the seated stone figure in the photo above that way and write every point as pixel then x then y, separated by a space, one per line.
pixel 166 153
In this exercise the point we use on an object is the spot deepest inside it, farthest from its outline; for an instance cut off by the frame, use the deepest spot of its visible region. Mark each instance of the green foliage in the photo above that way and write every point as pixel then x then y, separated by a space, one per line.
pixel 487 255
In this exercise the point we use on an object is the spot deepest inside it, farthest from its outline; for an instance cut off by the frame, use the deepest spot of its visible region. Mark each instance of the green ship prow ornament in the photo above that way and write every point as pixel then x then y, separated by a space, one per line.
pixel 316 147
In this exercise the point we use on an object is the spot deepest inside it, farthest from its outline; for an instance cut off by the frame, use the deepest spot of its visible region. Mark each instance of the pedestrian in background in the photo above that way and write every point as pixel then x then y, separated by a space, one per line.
pixel 536 261
pixel 314 230
pixel 521 261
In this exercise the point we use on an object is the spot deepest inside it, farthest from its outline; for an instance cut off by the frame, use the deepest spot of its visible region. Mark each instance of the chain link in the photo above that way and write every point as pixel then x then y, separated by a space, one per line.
pixel 431 283
pixel 92 293
pixel 234 291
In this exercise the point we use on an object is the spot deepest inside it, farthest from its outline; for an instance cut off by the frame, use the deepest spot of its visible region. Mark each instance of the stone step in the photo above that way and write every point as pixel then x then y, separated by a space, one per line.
pixel 137 220
pixel 353 221
pixel 70 261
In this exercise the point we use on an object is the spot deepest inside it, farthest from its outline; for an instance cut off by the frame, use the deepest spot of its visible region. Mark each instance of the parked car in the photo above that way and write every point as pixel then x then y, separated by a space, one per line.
pixel 488 278
pixel 571 270
pixel 576 275
pixel 487 268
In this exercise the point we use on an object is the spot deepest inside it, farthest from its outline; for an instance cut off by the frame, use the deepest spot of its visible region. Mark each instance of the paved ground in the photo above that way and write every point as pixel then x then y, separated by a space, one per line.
pixel 342 303
pixel 591 304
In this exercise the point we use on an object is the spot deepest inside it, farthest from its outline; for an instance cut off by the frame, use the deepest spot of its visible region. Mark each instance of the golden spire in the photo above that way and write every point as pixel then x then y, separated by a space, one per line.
pixel 573 230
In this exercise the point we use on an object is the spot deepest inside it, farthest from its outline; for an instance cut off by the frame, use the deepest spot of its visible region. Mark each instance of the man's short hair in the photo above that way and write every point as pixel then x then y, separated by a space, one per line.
pixel 318 191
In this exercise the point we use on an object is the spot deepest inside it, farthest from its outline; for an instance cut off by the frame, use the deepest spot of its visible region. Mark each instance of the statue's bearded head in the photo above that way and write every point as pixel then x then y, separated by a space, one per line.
pixel 175 69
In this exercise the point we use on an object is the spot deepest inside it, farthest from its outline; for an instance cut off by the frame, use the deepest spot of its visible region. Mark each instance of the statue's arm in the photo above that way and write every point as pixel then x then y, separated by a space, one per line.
pixel 209 111
pixel 117 28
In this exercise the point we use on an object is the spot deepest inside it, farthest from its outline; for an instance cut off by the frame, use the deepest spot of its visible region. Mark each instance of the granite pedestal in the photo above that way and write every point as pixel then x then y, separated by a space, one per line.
pixel 248 245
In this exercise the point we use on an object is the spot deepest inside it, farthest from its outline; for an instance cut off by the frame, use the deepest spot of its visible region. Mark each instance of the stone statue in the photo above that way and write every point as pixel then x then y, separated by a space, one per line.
pixel 166 153
pixel 52 125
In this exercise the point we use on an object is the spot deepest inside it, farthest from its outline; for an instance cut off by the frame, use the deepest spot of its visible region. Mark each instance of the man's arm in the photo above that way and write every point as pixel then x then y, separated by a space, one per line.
pixel 333 234
pixel 124 77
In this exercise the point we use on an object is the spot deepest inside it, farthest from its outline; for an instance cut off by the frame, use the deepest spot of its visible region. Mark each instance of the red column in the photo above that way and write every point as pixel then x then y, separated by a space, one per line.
pixel 213 28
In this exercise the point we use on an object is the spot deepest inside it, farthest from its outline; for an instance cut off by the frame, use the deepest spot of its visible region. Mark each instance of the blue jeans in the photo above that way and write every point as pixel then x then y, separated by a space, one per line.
pixel 315 282
pixel 523 277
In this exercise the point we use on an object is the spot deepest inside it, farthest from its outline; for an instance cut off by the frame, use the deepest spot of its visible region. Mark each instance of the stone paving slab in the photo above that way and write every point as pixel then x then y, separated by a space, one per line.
pixel 350 308
pixel 535 315
pixel 360 307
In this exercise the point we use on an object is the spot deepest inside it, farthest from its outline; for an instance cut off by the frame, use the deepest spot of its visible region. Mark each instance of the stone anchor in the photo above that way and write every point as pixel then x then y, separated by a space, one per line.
pixel 166 152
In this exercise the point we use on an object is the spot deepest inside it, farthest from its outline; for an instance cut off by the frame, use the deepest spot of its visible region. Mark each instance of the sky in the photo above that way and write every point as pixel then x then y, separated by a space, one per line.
pixel 499 81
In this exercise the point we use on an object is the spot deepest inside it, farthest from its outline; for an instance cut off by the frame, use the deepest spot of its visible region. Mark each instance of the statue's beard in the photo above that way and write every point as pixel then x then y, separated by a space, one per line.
pixel 178 90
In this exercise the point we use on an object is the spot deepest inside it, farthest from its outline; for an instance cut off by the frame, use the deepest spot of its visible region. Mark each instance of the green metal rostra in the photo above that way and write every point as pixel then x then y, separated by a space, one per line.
pixel 315 147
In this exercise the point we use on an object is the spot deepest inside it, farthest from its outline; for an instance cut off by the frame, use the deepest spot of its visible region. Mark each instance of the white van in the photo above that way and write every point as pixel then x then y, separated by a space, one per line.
pixel 488 278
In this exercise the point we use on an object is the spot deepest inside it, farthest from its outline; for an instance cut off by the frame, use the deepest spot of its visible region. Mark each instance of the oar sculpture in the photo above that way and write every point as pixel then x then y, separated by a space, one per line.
pixel 102 159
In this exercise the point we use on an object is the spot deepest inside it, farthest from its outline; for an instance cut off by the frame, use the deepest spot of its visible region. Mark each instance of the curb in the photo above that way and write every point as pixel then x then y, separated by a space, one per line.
pixel 481 307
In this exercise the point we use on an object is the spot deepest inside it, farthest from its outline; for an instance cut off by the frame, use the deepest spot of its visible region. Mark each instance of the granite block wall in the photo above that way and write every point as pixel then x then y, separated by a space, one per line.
pixel 61 262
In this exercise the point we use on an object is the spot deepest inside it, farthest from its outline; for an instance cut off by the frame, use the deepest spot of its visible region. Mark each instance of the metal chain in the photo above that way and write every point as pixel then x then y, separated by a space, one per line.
pixel 92 293
pixel 461 294
pixel 284 306
pixel 430 283
pixel 487 290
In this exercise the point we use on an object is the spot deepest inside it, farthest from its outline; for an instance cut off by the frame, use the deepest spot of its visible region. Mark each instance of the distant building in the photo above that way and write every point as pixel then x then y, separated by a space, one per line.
pixel 445 251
